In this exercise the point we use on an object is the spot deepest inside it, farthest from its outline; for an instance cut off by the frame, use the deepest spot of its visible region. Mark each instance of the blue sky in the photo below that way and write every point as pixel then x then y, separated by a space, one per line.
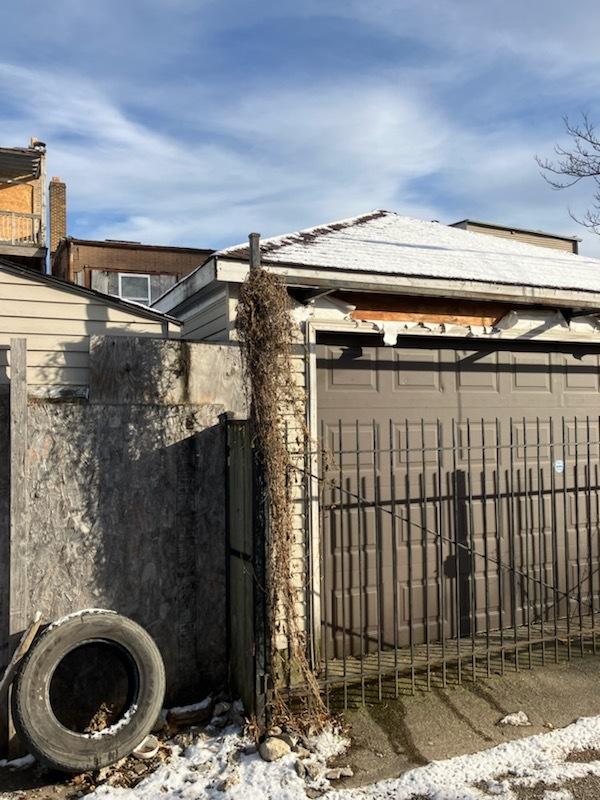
pixel 196 121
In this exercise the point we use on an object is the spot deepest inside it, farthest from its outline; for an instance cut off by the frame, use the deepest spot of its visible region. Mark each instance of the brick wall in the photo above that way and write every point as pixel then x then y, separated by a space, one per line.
pixel 57 198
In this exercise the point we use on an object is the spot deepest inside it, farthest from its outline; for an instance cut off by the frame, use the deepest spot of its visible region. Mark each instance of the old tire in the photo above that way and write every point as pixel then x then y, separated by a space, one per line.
pixel 46 737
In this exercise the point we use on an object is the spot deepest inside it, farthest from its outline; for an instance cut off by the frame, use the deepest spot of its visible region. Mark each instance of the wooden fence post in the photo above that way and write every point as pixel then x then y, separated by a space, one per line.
pixel 18 487
pixel 17 566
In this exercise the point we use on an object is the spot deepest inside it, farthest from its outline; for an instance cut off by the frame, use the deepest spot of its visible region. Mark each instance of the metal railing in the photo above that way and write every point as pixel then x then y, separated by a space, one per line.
pixel 19 228
pixel 453 549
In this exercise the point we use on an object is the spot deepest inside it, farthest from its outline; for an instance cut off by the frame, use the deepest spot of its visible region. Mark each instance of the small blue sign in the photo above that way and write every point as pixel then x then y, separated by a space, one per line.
pixel 559 466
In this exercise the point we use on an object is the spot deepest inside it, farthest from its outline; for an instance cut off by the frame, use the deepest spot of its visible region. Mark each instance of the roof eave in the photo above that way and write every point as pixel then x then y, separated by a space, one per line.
pixel 137 245
pixel 235 271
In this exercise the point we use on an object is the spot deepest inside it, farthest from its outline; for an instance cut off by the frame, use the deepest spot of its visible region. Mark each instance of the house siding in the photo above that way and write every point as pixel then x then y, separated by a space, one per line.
pixel 211 321
pixel 529 237
pixel 58 325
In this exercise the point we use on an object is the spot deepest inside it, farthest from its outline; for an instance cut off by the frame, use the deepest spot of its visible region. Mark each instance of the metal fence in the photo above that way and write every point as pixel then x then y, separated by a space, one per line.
pixel 454 549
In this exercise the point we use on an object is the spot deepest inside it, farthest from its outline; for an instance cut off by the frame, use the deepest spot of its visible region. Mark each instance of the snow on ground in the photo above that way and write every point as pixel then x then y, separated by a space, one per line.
pixel 218 767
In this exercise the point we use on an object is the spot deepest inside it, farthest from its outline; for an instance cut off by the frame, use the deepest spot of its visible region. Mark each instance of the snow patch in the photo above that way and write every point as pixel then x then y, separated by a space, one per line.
pixel 75 614
pixel 201 706
pixel 330 744
pixel 112 729
pixel 518 719
pixel 526 762
pixel 217 767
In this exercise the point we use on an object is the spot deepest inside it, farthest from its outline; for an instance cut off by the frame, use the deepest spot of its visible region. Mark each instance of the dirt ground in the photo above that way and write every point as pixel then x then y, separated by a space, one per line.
pixel 34 784
pixel 395 735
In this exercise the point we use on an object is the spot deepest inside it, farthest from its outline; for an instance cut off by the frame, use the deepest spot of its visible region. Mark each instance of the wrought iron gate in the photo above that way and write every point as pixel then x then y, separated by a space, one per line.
pixel 454 550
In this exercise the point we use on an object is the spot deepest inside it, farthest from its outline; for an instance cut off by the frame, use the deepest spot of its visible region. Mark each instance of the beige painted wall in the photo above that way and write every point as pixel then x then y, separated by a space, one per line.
pixel 58 325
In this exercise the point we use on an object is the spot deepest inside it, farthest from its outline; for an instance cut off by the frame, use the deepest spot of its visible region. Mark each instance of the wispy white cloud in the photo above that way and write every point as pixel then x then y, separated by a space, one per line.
pixel 166 151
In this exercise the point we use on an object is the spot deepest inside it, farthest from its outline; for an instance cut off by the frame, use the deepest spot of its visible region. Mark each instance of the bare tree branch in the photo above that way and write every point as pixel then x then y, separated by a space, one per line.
pixel 572 165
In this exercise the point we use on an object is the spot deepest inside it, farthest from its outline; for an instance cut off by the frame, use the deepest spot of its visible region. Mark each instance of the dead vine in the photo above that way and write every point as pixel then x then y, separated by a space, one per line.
pixel 266 333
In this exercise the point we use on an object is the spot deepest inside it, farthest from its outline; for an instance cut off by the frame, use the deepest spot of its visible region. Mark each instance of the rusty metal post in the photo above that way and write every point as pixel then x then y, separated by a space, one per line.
pixel 254 239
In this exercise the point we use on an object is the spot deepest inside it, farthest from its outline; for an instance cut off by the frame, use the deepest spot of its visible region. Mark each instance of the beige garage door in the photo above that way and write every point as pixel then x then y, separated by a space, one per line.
pixel 462 489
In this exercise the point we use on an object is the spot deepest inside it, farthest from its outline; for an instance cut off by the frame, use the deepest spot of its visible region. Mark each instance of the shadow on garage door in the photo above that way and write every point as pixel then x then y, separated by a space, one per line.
pixel 459 507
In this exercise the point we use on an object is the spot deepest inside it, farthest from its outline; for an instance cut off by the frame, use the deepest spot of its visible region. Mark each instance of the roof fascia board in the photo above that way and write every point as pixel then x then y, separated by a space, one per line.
pixel 187 287
pixel 236 272
pixel 123 245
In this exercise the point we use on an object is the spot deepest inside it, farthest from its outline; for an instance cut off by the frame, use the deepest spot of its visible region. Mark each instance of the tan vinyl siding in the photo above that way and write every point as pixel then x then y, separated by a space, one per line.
pixel 58 324
pixel 529 237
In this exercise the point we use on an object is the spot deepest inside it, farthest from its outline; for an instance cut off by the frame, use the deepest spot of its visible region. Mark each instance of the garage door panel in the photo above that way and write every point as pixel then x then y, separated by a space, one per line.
pixel 531 372
pixel 581 372
pixel 470 442
pixel 416 372
pixel 476 372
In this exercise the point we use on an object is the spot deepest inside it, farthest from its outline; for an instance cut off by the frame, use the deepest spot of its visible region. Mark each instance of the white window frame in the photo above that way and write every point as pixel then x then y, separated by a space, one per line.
pixel 136 275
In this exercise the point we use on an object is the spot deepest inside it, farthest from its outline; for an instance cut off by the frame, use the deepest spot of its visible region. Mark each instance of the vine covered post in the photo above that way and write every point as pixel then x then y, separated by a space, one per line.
pixel 268 335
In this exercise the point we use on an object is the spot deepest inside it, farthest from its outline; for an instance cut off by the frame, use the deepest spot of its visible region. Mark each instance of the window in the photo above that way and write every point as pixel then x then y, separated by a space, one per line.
pixel 135 288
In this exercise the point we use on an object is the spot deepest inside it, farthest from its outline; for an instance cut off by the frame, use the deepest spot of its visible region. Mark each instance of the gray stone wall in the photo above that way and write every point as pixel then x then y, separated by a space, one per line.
pixel 127 499
pixel 4 523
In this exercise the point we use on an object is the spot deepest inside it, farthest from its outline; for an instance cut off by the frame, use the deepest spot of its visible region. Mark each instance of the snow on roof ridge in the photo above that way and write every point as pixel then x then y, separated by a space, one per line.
pixel 500 245
pixel 307 236
pixel 272 242
pixel 383 242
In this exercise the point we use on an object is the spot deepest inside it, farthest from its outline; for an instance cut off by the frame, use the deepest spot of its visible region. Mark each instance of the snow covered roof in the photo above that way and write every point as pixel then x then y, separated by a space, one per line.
pixel 388 243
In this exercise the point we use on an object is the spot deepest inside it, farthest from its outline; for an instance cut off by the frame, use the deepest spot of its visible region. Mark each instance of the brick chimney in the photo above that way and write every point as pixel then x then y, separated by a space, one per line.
pixel 57 198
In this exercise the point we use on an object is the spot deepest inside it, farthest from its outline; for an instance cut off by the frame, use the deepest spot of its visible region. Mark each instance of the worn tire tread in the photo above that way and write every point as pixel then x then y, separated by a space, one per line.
pixel 38 729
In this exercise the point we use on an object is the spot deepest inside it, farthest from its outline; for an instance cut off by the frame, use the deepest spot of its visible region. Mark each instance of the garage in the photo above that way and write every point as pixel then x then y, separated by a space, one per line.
pixel 460 508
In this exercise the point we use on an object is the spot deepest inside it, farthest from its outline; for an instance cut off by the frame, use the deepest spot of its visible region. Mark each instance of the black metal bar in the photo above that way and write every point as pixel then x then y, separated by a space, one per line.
pixel 566 535
pixel 471 539
pixel 345 597
pixel 526 533
pixel 378 546
pixel 440 550
pixel 411 633
pixel 541 538
pixel 309 593
pixel 361 575
pixel 394 554
pixel 425 548
pixel 499 543
pixel 457 553
pixel 326 604
pixel 577 534
pixel 512 556
pixel 554 539
pixel 288 660
pixel 521 522
pixel 262 633
pixel 589 529
pixel 486 569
